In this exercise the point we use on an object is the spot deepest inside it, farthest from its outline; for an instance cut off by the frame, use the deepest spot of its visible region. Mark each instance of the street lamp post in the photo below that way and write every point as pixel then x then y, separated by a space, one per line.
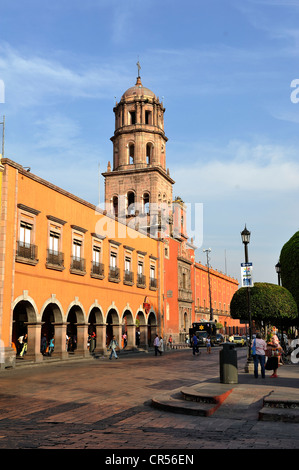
pixel 278 270
pixel 207 251
pixel 246 239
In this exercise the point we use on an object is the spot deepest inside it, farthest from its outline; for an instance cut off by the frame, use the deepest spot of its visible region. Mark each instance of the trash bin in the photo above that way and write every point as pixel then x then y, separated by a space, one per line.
pixel 228 364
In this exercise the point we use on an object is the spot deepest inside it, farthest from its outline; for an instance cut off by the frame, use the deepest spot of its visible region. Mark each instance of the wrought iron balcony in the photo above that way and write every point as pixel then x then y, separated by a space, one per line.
pixel 153 285
pixel 97 270
pixel 77 265
pixel 128 277
pixel 55 259
pixel 141 280
pixel 26 253
pixel 114 274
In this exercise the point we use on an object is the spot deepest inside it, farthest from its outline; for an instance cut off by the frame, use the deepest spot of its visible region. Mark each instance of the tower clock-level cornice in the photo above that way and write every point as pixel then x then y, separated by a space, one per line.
pixel 139 171
pixel 137 128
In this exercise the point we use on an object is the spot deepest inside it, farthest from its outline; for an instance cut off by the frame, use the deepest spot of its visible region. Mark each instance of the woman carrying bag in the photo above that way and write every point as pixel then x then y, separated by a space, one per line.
pixel 273 353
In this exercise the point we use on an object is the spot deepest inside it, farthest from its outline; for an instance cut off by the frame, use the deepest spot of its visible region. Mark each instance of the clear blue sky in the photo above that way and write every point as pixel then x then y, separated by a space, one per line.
pixel 224 69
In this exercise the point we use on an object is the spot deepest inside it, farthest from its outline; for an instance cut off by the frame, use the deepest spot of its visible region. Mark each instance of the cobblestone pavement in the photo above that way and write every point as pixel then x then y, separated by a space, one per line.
pixel 103 404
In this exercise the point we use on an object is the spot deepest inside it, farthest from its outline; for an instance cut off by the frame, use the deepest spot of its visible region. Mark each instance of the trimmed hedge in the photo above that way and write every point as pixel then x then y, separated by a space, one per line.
pixel 289 260
pixel 269 303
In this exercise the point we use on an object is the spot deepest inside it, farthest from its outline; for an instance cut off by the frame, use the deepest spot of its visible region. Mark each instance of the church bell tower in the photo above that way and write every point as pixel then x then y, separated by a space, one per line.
pixel 138 185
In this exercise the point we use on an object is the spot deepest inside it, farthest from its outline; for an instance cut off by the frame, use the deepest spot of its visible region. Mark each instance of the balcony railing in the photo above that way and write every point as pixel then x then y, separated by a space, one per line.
pixel 77 265
pixel 97 270
pixel 128 277
pixel 114 274
pixel 26 253
pixel 153 283
pixel 141 280
pixel 55 259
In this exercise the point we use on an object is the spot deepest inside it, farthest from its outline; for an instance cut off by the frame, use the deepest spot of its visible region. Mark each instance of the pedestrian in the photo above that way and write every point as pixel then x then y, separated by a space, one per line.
pixel 113 345
pixel 20 344
pixel 258 348
pixel 25 342
pixel 51 346
pixel 273 353
pixel 161 346
pixel 156 345
pixel 137 338
pixel 170 341
pixel 43 345
pixel 195 344
pixel 208 344
pixel 92 342
pixel 125 340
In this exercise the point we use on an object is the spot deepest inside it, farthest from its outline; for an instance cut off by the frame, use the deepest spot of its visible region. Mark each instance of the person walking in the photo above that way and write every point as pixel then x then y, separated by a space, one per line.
pixel 113 345
pixel 51 346
pixel 156 345
pixel 195 345
pixel 92 343
pixel 208 344
pixel 161 346
pixel 24 349
pixel 259 347
pixel 170 341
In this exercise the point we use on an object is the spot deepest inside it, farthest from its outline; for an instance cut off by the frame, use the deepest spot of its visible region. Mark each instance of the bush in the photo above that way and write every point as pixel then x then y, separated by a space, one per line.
pixel 269 303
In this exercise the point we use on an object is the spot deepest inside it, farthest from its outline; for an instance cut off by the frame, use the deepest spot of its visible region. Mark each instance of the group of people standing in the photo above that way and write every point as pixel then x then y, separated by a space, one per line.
pixel 267 354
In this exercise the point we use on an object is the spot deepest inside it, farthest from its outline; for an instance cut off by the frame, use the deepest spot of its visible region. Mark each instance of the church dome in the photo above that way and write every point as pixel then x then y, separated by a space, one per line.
pixel 138 90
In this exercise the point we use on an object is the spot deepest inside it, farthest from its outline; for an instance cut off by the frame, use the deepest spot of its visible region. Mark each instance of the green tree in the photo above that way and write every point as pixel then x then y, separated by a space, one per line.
pixel 289 261
pixel 269 303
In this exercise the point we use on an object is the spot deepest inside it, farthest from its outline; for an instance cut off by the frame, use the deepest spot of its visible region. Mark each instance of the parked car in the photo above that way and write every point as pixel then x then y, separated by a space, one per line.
pixel 219 339
pixel 239 340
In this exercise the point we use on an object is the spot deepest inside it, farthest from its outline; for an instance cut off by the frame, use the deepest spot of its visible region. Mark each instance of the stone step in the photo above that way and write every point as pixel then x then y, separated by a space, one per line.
pixel 197 400
pixel 279 407
pixel 286 415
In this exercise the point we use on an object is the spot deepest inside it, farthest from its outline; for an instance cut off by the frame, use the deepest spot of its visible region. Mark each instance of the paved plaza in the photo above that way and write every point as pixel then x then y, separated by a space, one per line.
pixel 106 404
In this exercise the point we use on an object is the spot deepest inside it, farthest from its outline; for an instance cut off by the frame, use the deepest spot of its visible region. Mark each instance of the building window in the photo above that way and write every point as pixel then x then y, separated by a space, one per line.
pixel 148 117
pixel 153 278
pixel 115 206
pixel 128 274
pixel 131 203
pixel 26 250
pixel 132 117
pixel 140 275
pixel 146 203
pixel 149 153
pixel 131 154
pixel 114 273
pixel 55 258
pixel 77 260
pixel 97 267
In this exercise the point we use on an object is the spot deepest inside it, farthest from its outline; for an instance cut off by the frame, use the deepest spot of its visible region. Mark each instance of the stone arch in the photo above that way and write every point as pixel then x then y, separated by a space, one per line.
pixel 113 324
pixel 128 327
pixel 131 153
pixel 149 153
pixel 24 312
pixel 114 205
pixel 152 324
pixel 51 314
pixel 141 329
pixel 131 202
pixel 76 328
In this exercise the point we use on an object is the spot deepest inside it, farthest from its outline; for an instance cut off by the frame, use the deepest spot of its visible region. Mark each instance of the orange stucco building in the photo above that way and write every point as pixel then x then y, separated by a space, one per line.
pixel 68 268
